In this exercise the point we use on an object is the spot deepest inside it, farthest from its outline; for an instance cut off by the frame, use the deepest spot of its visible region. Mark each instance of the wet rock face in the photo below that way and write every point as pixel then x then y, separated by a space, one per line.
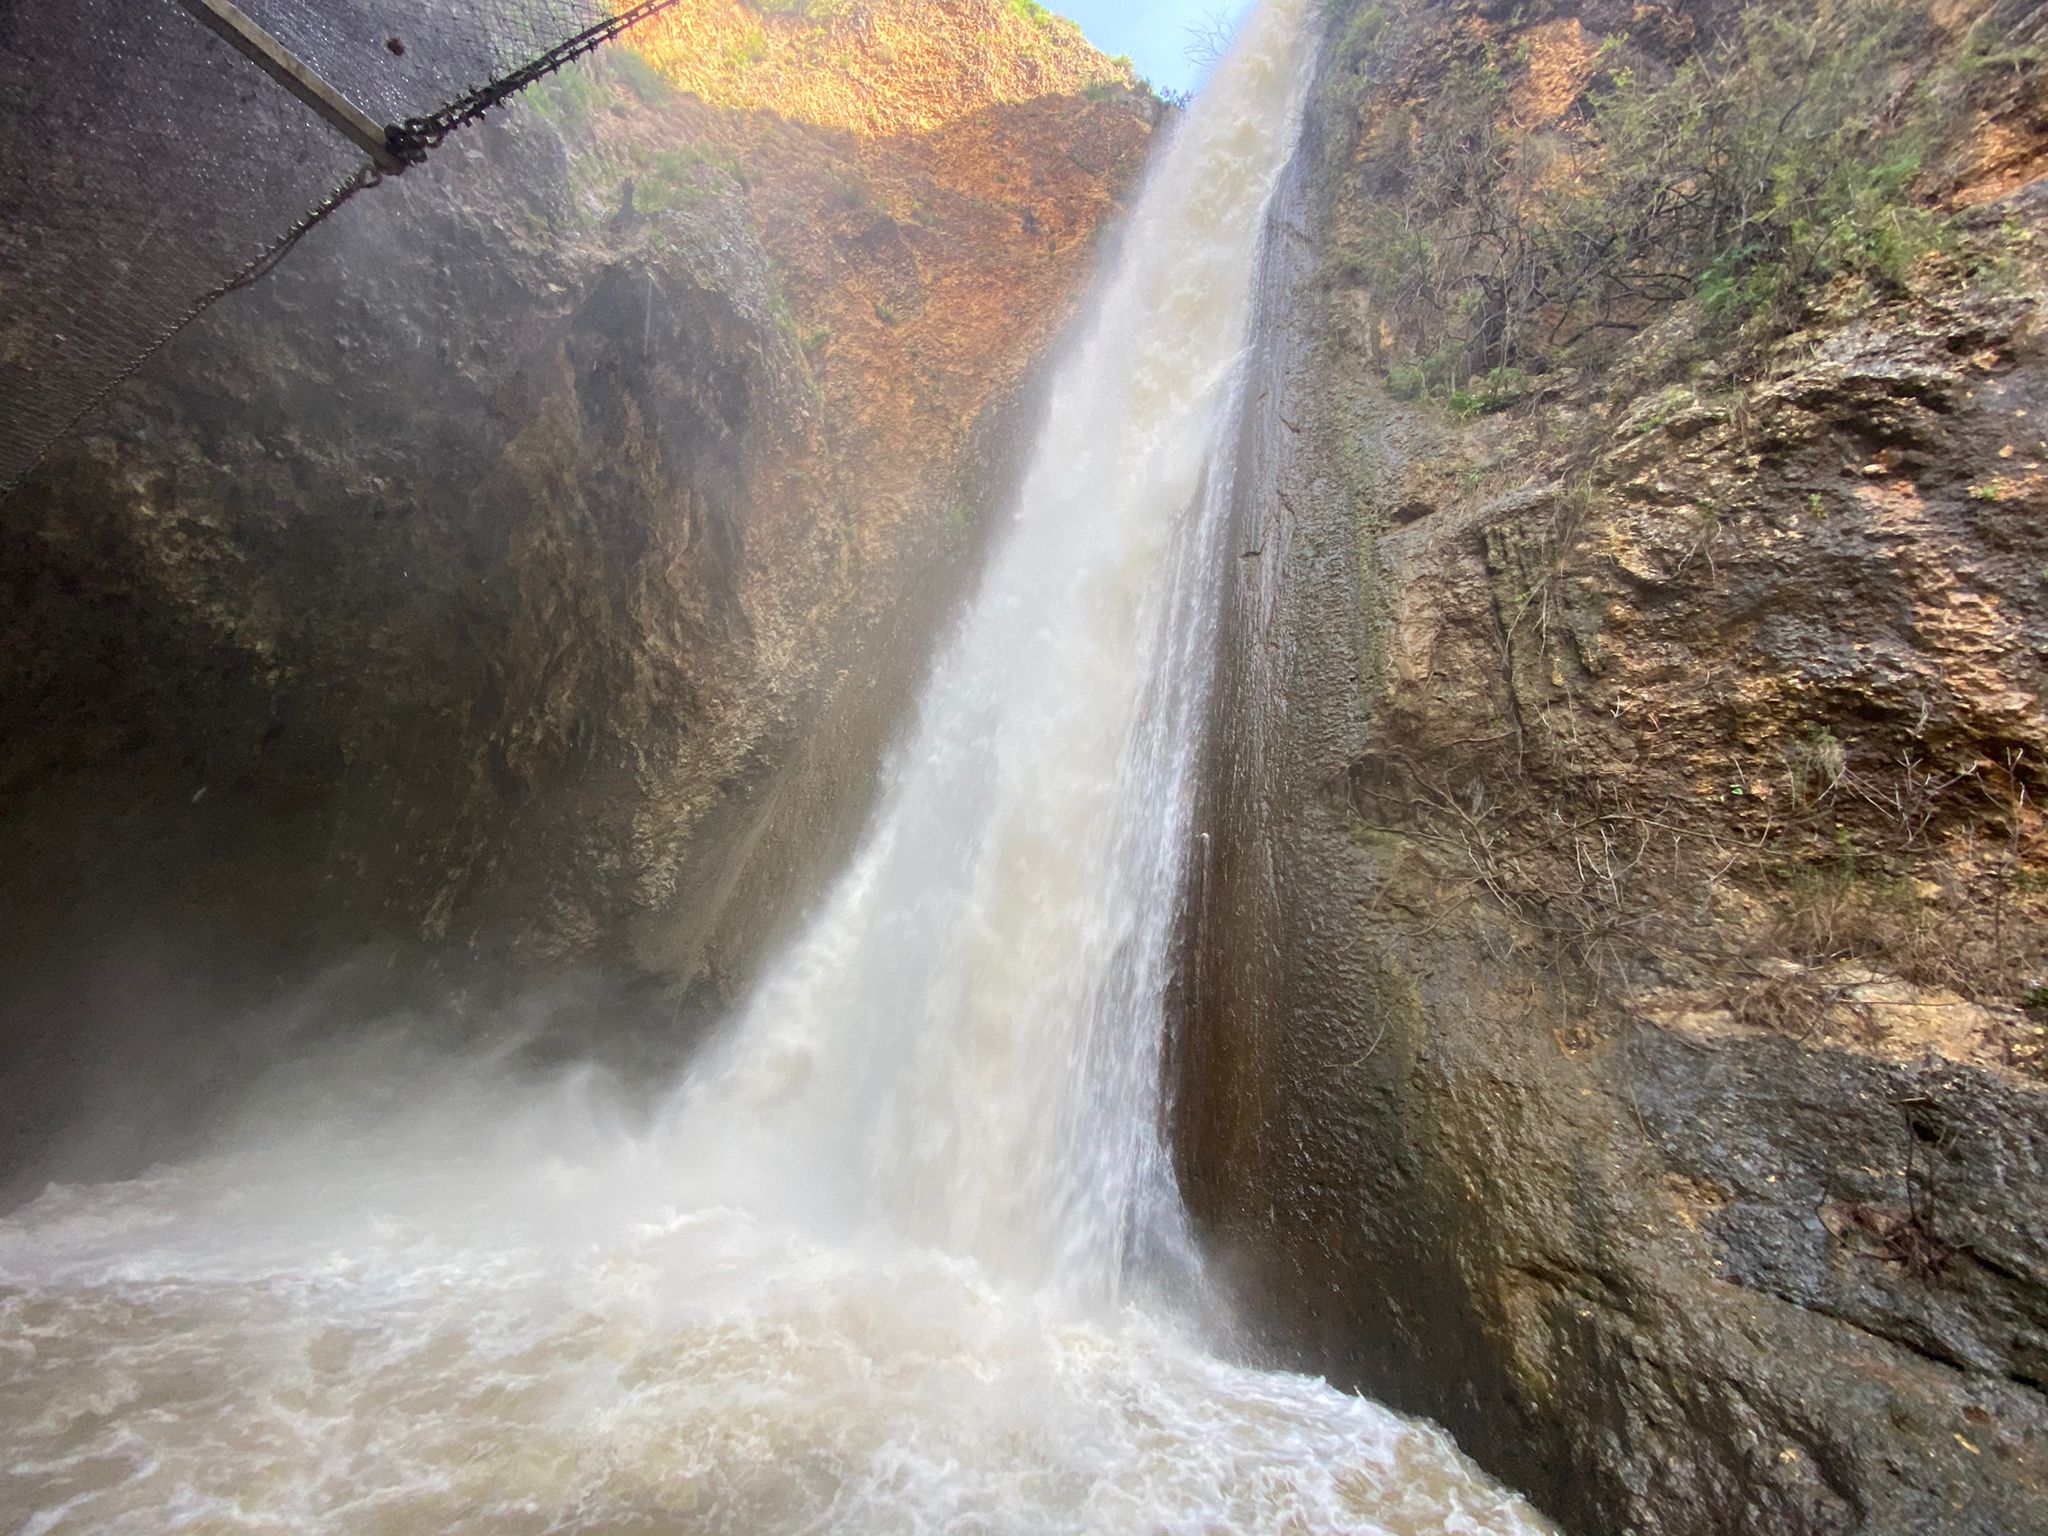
pixel 1625 823
pixel 542 546
pixel 428 527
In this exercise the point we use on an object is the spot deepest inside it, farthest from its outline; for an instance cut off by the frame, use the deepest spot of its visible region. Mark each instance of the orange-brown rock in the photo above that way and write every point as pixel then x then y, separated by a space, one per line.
pixel 1619 1028
pixel 878 69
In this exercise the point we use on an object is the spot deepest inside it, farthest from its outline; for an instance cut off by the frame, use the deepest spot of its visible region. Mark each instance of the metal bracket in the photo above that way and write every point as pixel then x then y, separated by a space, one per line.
pixel 235 28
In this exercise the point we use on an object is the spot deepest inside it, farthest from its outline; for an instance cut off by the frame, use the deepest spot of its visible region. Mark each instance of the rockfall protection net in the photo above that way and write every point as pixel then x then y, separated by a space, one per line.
pixel 147 167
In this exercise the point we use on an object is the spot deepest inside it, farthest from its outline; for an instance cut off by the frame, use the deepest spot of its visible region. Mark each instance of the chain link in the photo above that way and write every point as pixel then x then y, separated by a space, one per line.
pixel 411 140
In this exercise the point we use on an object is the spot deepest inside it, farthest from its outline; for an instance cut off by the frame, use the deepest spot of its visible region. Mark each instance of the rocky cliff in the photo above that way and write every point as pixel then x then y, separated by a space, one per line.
pixel 538 549
pixel 1615 1010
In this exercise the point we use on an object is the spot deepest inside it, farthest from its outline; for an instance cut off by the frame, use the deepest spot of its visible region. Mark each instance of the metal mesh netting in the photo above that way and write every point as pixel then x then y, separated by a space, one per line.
pixel 450 50
pixel 146 165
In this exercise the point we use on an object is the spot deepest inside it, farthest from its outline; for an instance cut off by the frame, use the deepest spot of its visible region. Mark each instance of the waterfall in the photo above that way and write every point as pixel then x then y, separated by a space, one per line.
pixel 965 1045
pixel 902 1252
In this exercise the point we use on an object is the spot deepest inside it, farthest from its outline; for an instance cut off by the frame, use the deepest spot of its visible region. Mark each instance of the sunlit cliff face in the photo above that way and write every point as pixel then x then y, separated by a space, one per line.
pixel 881 68
pixel 939 200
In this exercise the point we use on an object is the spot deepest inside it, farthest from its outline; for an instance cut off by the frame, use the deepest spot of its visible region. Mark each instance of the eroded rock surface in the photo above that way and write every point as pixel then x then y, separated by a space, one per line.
pixel 1613 1013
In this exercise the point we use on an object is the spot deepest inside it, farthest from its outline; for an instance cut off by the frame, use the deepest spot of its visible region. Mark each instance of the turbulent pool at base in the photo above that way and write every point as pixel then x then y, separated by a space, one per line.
pixel 903 1252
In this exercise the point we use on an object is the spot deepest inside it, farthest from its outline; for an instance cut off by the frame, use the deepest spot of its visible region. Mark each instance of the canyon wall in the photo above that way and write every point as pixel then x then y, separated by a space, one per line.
pixel 522 581
pixel 1614 1012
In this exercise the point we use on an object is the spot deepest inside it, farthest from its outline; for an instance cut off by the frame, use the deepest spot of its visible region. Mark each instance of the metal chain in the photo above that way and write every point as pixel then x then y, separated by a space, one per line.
pixel 411 140
pixel 366 177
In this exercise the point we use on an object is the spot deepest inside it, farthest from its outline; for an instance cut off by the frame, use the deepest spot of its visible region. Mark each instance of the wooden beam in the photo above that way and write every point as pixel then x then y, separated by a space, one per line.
pixel 235 28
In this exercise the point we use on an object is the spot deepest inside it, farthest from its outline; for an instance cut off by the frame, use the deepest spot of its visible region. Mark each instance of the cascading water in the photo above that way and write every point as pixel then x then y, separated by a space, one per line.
pixel 965 1047
pixel 902 1254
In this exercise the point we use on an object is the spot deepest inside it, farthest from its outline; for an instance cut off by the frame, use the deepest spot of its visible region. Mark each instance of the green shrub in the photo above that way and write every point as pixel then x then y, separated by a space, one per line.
pixel 750 48
pixel 639 77
pixel 669 181
pixel 571 96
pixel 1407 381
pixel 1752 176
pixel 1033 12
